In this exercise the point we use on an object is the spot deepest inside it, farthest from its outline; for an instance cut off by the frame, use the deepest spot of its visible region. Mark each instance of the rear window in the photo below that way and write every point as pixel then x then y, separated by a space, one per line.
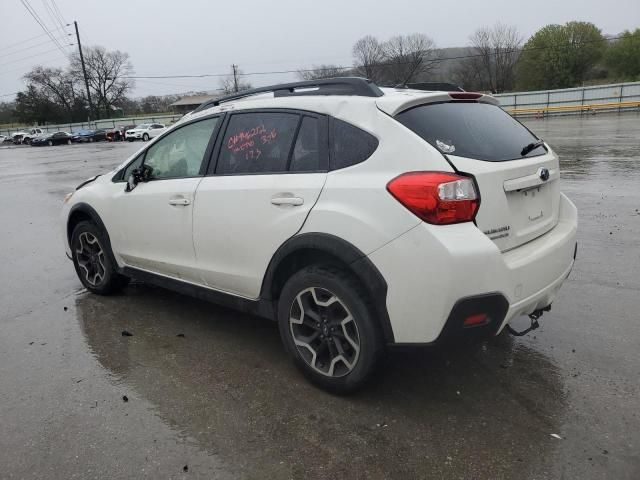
pixel 470 129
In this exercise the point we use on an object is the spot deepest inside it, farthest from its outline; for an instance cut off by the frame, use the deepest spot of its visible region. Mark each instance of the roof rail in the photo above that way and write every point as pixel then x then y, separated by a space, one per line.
pixel 357 86
pixel 432 86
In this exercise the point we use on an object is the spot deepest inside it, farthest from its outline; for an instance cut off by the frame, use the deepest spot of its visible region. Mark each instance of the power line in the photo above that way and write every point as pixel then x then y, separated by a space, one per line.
pixel 56 59
pixel 33 56
pixel 381 64
pixel 53 13
pixel 27 40
pixel 37 18
pixel 32 46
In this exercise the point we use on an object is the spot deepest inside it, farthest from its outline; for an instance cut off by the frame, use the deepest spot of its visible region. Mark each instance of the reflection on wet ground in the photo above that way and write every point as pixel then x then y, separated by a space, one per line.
pixel 211 394
pixel 227 384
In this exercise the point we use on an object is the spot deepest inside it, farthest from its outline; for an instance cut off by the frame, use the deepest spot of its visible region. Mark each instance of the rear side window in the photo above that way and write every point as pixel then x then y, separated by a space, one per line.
pixel 257 143
pixel 307 152
pixel 469 129
pixel 349 145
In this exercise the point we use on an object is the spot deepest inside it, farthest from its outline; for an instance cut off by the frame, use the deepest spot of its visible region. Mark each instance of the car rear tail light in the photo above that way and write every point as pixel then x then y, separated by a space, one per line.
pixel 439 198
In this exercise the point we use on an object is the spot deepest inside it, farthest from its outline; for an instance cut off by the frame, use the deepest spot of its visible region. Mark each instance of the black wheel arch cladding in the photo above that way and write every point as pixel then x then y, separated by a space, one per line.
pixel 332 247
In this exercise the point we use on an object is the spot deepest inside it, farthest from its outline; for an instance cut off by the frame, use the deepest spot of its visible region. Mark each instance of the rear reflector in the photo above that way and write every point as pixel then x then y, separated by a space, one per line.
pixel 477 319
pixel 440 198
pixel 465 95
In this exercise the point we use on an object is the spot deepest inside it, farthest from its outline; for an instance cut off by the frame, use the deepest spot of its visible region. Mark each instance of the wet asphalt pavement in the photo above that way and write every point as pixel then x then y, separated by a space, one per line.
pixel 223 401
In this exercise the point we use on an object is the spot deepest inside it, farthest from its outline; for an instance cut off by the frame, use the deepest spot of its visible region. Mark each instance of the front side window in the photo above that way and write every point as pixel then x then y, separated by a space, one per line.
pixel 257 143
pixel 470 129
pixel 180 153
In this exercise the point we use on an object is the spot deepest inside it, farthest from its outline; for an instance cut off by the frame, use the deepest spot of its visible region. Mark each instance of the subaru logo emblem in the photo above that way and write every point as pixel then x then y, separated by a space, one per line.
pixel 544 174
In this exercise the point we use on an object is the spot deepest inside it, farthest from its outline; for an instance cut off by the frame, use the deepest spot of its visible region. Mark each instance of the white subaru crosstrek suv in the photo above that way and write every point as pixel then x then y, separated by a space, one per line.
pixel 145 132
pixel 355 216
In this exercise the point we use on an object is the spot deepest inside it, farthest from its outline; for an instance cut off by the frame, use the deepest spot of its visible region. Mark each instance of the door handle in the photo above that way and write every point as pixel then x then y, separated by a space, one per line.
pixel 179 201
pixel 293 201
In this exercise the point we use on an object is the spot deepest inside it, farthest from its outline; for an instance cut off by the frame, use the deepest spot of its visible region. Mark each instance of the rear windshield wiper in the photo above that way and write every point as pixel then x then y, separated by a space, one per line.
pixel 531 147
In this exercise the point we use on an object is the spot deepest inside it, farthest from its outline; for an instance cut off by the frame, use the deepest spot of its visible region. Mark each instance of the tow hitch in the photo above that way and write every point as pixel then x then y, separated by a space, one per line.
pixel 534 322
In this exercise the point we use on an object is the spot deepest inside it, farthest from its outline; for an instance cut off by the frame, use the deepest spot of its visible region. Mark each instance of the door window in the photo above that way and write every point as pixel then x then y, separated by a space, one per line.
pixel 257 143
pixel 180 153
pixel 307 154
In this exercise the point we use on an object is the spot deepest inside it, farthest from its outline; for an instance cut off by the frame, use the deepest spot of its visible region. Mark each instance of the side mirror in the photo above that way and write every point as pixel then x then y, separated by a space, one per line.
pixel 142 174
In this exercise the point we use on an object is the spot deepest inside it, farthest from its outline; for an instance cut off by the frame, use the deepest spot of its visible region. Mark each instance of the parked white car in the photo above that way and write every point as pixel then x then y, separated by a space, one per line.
pixel 145 132
pixel 357 217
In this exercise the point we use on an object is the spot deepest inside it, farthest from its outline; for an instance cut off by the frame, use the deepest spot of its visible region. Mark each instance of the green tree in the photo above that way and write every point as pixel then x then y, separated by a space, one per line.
pixel 623 56
pixel 560 56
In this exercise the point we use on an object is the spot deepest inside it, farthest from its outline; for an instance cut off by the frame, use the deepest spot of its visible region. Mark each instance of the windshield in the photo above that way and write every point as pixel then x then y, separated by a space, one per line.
pixel 144 126
pixel 472 130
pixel 84 132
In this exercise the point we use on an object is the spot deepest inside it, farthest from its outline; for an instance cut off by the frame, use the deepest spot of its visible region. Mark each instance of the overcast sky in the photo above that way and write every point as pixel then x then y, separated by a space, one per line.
pixel 181 37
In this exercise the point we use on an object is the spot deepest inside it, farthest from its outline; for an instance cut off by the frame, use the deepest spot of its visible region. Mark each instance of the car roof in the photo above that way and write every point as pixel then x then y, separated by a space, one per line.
pixel 392 101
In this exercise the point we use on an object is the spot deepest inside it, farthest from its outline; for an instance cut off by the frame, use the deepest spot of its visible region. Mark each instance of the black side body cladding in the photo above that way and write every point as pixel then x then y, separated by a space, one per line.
pixel 260 307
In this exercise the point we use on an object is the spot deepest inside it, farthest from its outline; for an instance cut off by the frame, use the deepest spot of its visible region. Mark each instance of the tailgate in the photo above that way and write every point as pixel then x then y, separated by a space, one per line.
pixel 516 204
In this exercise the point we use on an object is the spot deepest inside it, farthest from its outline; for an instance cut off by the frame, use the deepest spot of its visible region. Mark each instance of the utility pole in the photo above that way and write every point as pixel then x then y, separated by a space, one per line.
pixel 84 70
pixel 235 77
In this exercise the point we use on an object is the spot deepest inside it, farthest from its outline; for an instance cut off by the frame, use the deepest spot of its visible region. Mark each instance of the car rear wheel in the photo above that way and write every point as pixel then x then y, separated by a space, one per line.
pixel 145 137
pixel 90 139
pixel 327 325
pixel 68 142
pixel 50 143
pixel 93 261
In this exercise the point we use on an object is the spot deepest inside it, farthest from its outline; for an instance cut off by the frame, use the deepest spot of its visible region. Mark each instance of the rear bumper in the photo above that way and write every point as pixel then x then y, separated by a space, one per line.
pixel 431 269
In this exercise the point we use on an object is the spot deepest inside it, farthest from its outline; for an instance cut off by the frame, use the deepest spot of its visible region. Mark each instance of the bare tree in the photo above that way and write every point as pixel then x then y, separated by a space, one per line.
pixel 368 57
pixel 321 71
pixel 233 82
pixel 107 73
pixel 409 56
pixel 497 50
pixel 56 86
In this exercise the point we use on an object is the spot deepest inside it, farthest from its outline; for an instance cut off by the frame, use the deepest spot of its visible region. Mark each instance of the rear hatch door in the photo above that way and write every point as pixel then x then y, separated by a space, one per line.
pixel 517 175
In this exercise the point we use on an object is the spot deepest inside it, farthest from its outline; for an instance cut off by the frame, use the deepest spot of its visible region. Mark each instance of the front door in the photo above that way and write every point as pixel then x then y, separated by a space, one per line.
pixel 153 222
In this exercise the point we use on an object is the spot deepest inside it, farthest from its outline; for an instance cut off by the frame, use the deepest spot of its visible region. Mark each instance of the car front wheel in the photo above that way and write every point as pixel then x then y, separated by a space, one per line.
pixel 327 325
pixel 93 261
pixel 145 137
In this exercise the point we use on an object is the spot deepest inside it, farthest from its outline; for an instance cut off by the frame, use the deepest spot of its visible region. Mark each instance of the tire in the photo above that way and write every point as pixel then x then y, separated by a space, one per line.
pixel 90 139
pixel 68 142
pixel 130 139
pixel 346 327
pixel 145 137
pixel 50 143
pixel 93 260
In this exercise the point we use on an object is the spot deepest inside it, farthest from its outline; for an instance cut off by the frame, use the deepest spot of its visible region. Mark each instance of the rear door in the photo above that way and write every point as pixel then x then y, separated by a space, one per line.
pixel 271 166
pixel 519 189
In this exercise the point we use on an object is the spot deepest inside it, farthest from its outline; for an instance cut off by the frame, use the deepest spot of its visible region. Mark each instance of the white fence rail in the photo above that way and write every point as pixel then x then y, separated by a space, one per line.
pixel 572 101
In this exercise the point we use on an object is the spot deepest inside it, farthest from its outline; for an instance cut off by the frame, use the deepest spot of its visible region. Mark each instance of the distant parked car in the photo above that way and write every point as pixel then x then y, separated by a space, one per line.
pixel 31 134
pixel 83 136
pixel 25 136
pixel 118 134
pixel 145 131
pixel 56 138
pixel 4 138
